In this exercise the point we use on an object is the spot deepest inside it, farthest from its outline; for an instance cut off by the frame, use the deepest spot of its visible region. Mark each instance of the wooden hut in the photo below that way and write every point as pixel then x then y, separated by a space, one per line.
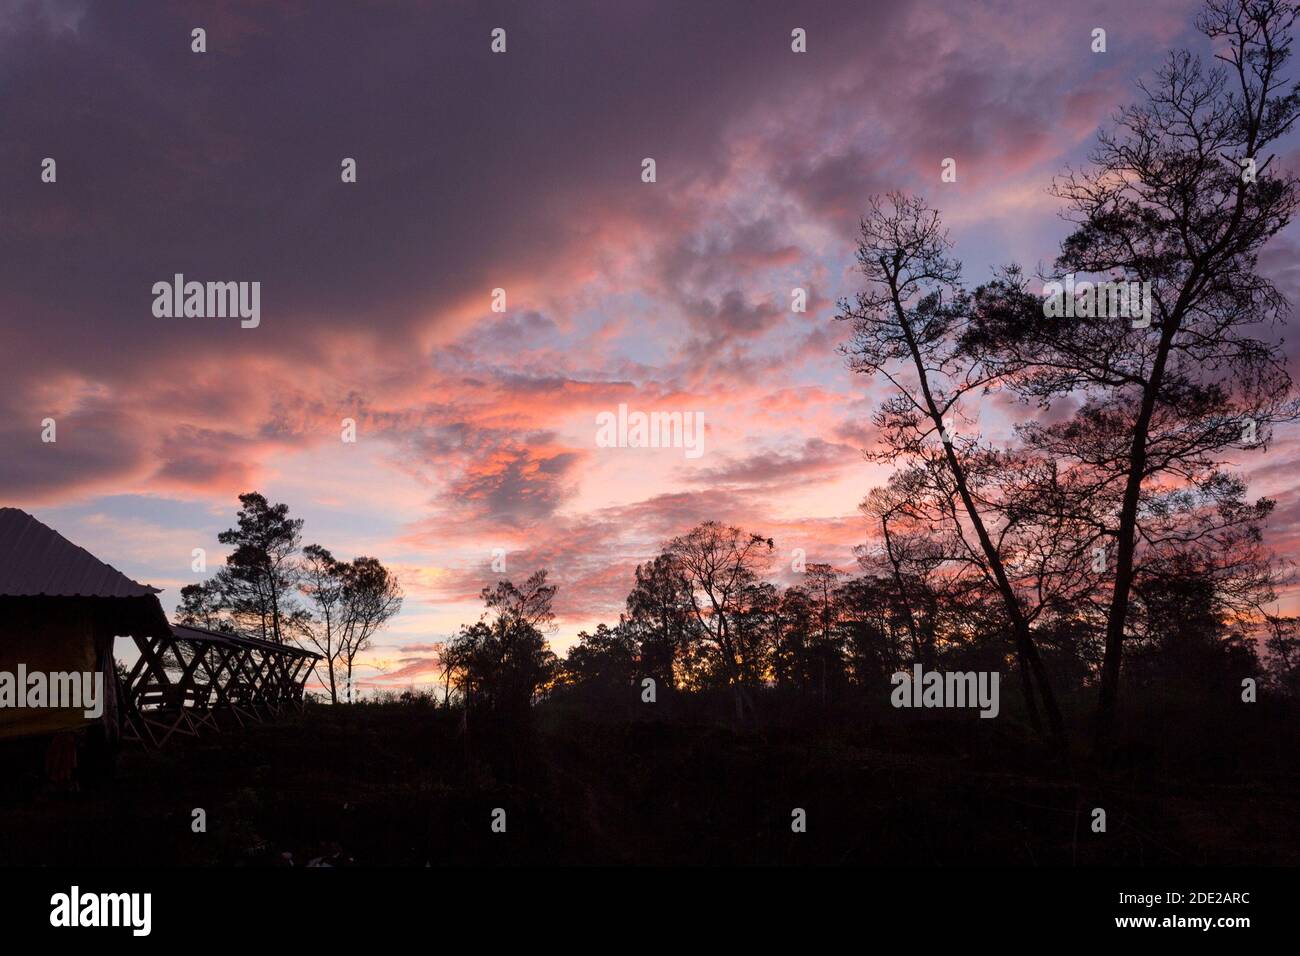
pixel 61 611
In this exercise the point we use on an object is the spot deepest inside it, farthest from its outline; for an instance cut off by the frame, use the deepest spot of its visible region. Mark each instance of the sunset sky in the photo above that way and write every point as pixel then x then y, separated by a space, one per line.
pixel 519 171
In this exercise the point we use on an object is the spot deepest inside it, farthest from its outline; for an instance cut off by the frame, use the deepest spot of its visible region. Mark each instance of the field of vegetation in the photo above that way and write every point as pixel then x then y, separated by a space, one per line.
pixel 403 782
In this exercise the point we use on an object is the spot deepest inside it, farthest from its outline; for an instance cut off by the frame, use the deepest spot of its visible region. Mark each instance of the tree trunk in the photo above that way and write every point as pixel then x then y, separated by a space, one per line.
pixel 1020 627
pixel 1125 548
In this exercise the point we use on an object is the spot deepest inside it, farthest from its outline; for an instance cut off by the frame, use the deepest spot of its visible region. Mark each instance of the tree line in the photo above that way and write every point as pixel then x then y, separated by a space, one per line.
pixel 701 616
pixel 1108 535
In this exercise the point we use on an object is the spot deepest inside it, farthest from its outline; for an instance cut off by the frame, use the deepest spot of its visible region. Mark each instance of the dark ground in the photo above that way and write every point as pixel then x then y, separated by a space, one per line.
pixel 383 784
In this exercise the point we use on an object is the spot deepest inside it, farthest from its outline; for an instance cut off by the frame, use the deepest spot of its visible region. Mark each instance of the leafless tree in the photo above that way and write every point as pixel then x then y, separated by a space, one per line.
pixel 908 326
pixel 1182 192
pixel 370 596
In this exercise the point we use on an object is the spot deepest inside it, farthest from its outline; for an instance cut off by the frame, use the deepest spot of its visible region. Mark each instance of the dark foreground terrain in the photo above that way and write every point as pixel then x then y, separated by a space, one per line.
pixel 400 783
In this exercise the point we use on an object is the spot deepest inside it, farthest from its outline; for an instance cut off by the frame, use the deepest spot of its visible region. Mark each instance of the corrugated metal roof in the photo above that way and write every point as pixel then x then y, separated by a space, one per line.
pixel 37 560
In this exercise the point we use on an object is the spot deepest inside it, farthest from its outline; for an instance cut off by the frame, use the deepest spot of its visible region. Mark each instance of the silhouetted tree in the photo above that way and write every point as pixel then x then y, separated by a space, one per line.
pixel 1182 194
pixel 718 562
pixel 1282 642
pixel 875 624
pixel 502 662
pixel 322 583
pixel 790 654
pixel 369 596
pixel 260 578
pixel 816 642
pixel 1185 634
pixel 908 328
pixel 659 619
pixel 605 660
pixel 203 605
pixel 256 592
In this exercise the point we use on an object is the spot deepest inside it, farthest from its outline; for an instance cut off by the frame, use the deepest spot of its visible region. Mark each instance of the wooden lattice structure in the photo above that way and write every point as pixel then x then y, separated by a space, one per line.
pixel 192 678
